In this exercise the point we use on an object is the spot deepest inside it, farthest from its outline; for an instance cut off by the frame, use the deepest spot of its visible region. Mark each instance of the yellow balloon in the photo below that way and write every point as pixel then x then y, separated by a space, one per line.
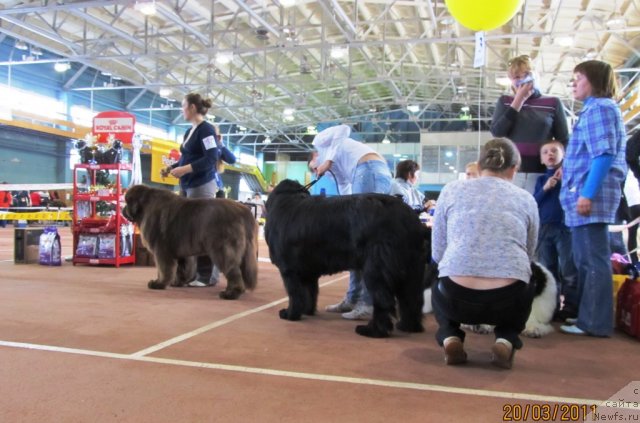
pixel 483 15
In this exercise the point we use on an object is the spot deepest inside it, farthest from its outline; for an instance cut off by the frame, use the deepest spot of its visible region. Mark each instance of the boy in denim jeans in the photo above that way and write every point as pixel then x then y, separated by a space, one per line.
pixel 554 240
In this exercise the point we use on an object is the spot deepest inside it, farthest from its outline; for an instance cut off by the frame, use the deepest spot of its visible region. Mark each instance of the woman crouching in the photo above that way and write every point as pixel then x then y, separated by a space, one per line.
pixel 484 238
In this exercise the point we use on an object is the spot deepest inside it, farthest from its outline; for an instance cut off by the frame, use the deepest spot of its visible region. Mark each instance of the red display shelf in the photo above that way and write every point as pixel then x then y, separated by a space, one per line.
pixel 116 198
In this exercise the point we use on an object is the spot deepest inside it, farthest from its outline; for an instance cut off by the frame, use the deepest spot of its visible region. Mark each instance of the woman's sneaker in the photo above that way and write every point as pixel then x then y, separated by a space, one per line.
pixel 360 312
pixel 343 306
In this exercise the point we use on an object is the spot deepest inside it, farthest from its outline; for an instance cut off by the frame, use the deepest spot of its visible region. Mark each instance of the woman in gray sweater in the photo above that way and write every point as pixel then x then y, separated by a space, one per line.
pixel 484 239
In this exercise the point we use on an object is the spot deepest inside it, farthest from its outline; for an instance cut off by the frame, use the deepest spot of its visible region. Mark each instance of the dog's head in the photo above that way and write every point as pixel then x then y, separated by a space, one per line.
pixel 136 197
pixel 540 277
pixel 287 188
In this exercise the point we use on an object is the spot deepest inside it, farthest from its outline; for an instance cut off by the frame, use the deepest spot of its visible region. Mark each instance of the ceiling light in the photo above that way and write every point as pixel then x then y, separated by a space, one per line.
pixel 446 163
pixel 413 108
pixel 288 111
pixel 464 109
pixel 386 140
pixel 503 81
pixel 224 58
pixel 21 45
pixel 312 130
pixel 564 41
pixel 448 154
pixel 339 52
pixel 287 3
pixel 590 55
pixel 105 73
pixel 262 34
pixel 447 20
pixel 267 140
pixel 36 51
pixel 62 66
pixel 147 8
pixel 165 92
pixel 397 155
pixel 452 168
pixel 116 78
pixel 241 128
pixel 288 118
pixel 618 22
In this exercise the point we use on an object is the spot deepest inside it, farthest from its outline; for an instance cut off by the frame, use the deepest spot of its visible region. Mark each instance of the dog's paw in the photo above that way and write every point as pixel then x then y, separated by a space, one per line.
pixel 154 284
pixel 285 315
pixel 537 331
pixel 411 327
pixel 371 332
pixel 178 284
pixel 230 294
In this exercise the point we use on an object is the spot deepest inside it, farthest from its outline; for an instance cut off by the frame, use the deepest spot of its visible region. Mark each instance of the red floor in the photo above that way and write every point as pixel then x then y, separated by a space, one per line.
pixel 74 348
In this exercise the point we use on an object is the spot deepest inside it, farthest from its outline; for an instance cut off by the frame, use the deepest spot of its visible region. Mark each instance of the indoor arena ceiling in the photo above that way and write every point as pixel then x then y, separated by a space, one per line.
pixel 278 66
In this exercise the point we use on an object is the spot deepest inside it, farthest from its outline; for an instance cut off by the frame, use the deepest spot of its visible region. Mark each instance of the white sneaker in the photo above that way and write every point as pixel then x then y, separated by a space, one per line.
pixel 343 306
pixel 360 312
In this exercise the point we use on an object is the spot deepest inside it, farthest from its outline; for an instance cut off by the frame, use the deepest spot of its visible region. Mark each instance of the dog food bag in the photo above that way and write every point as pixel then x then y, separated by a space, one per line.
pixel 87 246
pixel 50 249
pixel 126 240
pixel 107 246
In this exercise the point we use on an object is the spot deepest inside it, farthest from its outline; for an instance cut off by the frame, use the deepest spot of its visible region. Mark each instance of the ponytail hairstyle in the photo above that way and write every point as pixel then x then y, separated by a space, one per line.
pixel 498 155
pixel 600 76
pixel 202 104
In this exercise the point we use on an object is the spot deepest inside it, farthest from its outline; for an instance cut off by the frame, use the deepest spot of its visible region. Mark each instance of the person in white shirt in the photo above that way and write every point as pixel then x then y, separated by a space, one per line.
pixel 357 169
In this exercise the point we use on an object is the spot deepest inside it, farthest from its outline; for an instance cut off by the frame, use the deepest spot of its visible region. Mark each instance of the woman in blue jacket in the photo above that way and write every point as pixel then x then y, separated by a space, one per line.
pixel 201 150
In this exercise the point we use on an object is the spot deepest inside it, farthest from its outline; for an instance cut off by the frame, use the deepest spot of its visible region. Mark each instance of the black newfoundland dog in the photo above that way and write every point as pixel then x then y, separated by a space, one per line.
pixel 377 234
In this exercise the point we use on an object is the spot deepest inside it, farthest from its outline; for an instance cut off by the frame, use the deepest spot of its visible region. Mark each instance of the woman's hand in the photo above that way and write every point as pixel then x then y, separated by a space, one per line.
pixel 584 206
pixel 322 169
pixel 523 92
pixel 180 171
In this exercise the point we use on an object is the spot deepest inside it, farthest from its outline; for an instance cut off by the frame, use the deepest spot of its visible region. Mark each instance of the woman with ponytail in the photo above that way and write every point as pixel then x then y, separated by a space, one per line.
pixel 201 151
pixel 484 238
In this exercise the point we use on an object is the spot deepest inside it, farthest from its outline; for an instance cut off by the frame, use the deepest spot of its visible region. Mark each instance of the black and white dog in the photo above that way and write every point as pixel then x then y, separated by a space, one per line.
pixel 542 309
pixel 379 235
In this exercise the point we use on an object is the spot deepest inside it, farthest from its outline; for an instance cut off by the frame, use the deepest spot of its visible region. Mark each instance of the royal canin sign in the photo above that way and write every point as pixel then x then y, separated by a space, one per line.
pixel 120 124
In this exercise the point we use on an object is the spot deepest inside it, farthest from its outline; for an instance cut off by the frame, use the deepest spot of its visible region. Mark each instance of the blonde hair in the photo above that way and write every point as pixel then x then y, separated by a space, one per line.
pixel 498 155
pixel 518 63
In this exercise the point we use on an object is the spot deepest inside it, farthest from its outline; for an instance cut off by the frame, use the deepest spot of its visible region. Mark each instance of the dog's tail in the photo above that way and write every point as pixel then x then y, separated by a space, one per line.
pixel 249 266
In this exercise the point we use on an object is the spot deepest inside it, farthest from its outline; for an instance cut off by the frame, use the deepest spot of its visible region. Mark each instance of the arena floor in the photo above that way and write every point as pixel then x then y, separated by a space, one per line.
pixel 93 344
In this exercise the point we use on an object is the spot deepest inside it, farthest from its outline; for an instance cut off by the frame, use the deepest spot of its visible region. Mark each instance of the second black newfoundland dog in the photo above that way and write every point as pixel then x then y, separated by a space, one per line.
pixel 378 234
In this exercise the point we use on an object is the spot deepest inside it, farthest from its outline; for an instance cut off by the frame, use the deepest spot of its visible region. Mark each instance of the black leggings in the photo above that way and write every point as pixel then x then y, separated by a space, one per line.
pixel 507 308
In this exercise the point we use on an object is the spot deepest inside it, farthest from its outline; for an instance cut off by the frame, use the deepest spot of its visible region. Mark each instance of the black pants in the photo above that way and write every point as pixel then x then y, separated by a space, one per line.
pixel 507 308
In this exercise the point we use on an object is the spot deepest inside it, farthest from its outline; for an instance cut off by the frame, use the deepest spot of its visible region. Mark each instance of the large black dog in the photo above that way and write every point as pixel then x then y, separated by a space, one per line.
pixel 376 234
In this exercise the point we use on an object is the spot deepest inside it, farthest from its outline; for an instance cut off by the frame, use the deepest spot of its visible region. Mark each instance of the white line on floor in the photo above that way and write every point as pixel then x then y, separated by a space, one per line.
pixel 264 259
pixel 311 376
pixel 219 323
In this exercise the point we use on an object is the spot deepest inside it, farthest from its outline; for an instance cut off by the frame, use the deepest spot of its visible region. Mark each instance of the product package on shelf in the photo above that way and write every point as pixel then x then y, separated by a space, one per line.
pixel 50 248
pixel 107 246
pixel 83 209
pixel 87 245
pixel 126 239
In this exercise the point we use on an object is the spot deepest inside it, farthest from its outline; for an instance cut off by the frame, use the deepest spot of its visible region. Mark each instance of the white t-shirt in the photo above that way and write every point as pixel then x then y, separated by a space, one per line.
pixel 631 190
pixel 334 144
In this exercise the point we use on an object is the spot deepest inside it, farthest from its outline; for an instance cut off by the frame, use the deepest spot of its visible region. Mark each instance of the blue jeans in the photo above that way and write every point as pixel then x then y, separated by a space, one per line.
pixel 592 255
pixel 206 271
pixel 372 176
pixel 555 253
